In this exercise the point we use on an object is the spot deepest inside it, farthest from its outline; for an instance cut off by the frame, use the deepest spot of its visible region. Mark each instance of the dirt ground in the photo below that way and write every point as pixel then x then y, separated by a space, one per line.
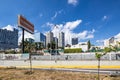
pixel 20 74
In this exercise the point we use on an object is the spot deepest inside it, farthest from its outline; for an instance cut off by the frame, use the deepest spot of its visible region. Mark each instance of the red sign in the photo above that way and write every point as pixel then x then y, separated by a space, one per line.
pixel 24 23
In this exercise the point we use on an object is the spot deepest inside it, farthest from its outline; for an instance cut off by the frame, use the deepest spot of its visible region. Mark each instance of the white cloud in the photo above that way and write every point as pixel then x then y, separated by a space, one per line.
pixel 100 41
pixel 36 31
pixel 9 27
pixel 27 35
pixel 85 35
pixel 68 28
pixel 56 14
pixel 117 36
pixel 72 25
pixel 49 24
pixel 105 18
pixel 73 2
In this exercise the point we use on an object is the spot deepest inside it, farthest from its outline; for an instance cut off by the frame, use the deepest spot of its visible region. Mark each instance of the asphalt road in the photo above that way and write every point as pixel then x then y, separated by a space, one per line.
pixel 102 71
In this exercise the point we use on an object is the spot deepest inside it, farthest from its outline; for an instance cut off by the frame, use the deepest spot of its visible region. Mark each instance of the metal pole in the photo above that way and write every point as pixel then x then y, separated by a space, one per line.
pixel 22 40
pixel 56 50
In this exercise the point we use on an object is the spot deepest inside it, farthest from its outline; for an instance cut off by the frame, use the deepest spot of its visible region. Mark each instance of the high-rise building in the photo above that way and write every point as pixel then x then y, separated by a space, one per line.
pixel 55 39
pixel 40 37
pixel 61 40
pixel 49 37
pixel 74 41
pixel 8 39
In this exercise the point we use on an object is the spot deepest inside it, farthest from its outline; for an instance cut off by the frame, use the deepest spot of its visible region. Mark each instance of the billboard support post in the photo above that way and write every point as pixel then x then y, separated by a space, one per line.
pixel 22 40
pixel 26 26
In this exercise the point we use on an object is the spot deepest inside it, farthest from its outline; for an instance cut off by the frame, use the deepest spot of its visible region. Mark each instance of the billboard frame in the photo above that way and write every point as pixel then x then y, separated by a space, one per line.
pixel 25 24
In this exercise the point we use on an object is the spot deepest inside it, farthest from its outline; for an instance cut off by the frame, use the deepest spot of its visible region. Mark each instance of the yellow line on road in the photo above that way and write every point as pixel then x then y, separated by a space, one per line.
pixel 70 66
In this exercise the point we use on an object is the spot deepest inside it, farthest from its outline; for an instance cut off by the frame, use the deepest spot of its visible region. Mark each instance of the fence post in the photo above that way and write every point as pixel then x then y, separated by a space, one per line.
pixel 110 58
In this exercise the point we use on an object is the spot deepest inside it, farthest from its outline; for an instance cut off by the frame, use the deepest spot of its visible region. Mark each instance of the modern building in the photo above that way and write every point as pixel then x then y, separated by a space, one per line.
pixel 49 37
pixel 30 40
pixel 55 39
pixel 8 39
pixel 82 45
pixel 113 41
pixel 61 40
pixel 74 41
pixel 40 37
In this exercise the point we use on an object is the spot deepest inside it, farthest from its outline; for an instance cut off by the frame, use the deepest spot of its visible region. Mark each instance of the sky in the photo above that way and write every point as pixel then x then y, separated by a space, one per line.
pixel 94 20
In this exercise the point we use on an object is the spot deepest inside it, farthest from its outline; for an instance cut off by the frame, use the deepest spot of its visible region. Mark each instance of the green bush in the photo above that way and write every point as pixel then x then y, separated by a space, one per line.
pixel 107 49
pixel 76 50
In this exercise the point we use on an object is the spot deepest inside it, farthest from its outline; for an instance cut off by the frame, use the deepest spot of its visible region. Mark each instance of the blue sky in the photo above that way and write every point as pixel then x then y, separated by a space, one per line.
pixel 93 20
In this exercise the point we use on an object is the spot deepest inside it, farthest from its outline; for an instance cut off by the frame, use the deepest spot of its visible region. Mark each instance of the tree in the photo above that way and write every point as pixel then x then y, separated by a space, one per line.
pixel 118 43
pixel 53 45
pixel 48 46
pixel 107 49
pixel 31 48
pixel 98 56
pixel 89 45
pixel 39 45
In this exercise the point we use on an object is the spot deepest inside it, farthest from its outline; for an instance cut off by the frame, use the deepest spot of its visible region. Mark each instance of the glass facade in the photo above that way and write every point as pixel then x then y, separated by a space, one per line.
pixel 40 37
pixel 74 41
pixel 8 39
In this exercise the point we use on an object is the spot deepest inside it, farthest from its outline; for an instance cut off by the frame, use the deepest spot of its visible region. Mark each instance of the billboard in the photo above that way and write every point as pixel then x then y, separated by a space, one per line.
pixel 24 23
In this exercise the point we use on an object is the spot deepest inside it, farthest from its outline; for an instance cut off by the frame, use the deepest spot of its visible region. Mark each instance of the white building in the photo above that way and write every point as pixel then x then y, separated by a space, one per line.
pixel 61 40
pixel 112 41
pixel 97 47
pixel 49 37
pixel 82 45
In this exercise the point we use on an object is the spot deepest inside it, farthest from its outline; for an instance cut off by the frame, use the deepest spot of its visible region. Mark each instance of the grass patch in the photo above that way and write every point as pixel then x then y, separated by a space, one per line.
pixel 24 74
pixel 28 72
pixel 11 67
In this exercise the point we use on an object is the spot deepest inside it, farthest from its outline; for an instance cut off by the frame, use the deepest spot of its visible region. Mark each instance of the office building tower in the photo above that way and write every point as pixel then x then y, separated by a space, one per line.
pixel 74 41
pixel 8 39
pixel 40 37
pixel 61 40
pixel 49 38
